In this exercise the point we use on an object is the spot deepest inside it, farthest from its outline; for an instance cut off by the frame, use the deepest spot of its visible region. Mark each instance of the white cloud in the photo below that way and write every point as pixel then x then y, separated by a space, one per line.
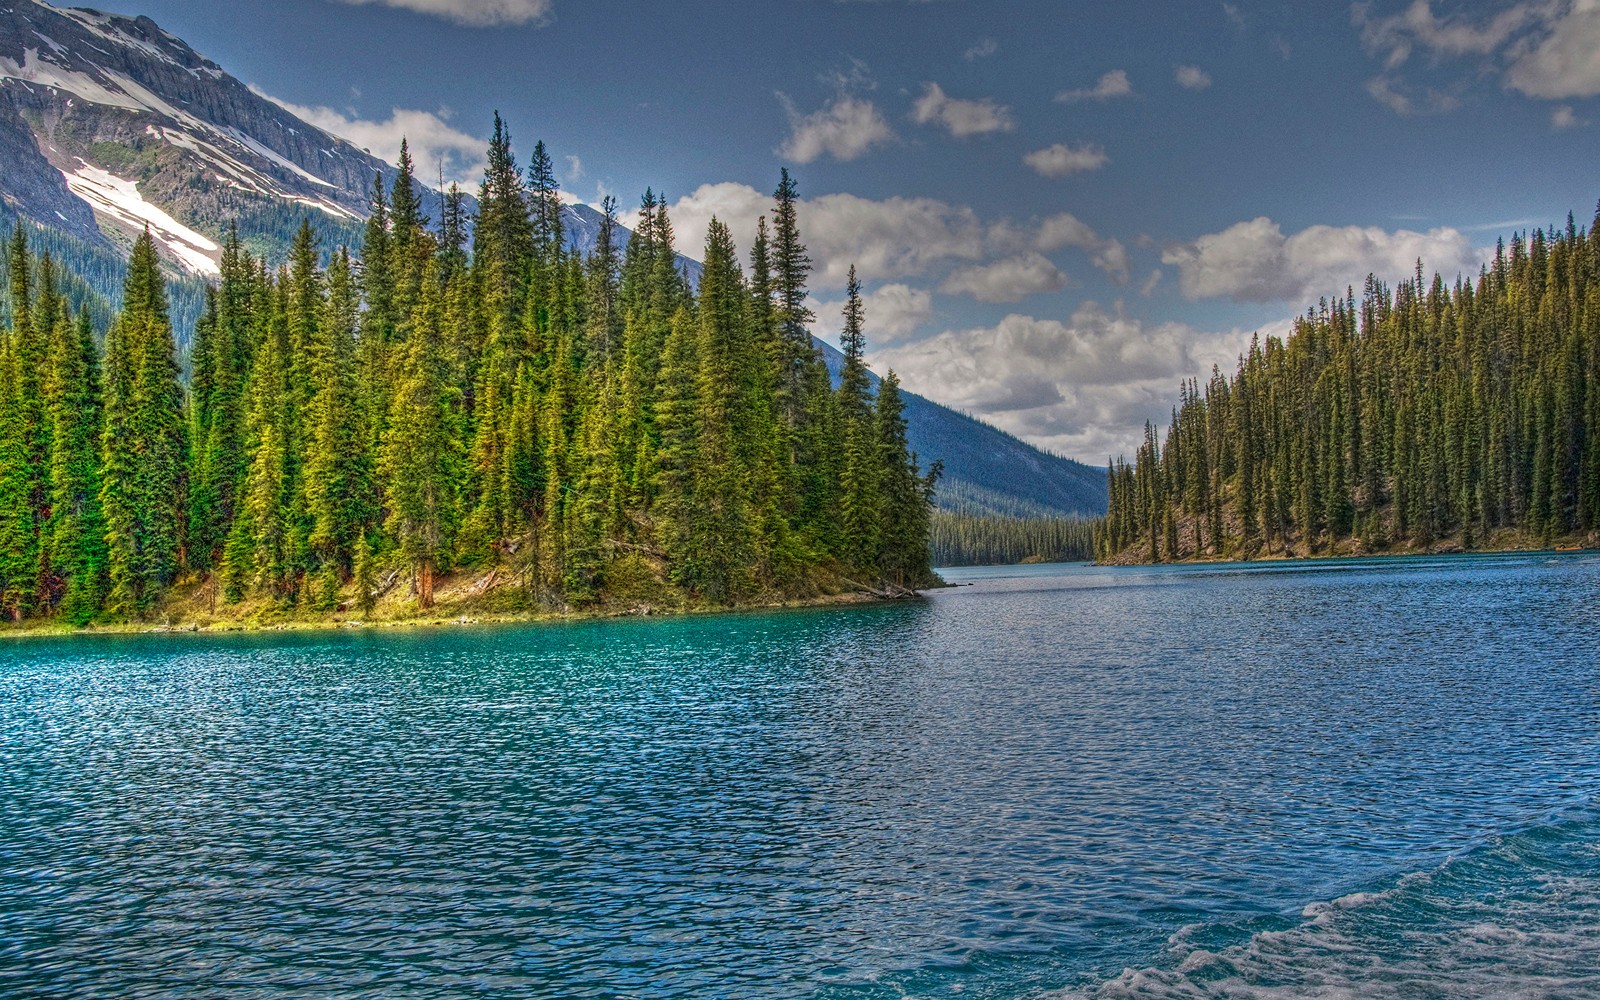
pixel 1008 280
pixel 1065 230
pixel 431 137
pixel 1563 117
pixel 1543 48
pixel 1390 91
pixel 474 13
pixel 1149 287
pixel 845 128
pixel 1112 258
pixel 1058 232
pixel 1110 85
pixel 1084 387
pixel 982 50
pixel 888 239
pixel 1394 37
pixel 1254 262
pixel 1192 77
pixel 961 118
pixel 574 169
pixel 1062 160
pixel 1566 61
pixel 893 313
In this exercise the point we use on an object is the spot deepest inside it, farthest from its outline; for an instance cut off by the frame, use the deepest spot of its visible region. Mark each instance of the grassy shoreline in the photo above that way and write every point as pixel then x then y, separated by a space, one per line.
pixel 195 608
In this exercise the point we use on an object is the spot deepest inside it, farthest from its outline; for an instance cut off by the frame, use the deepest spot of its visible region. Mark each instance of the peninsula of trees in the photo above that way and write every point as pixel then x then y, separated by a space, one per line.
pixel 1425 416
pixel 466 396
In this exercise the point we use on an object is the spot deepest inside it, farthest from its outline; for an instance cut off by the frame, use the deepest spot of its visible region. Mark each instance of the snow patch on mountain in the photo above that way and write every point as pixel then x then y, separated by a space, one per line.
pixel 41 71
pixel 120 199
pixel 107 28
pixel 255 146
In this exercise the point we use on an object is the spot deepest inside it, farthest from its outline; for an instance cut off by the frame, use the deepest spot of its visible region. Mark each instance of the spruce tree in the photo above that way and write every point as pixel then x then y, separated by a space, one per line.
pixel 142 478
pixel 76 528
pixel 421 461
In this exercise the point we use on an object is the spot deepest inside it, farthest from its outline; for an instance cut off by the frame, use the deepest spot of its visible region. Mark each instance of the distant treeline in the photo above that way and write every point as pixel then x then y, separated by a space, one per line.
pixel 1412 416
pixel 977 540
pixel 470 394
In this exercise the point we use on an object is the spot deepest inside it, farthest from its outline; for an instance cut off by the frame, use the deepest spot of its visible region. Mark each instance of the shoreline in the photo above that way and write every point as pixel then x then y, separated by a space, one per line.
pixel 1445 547
pixel 465 619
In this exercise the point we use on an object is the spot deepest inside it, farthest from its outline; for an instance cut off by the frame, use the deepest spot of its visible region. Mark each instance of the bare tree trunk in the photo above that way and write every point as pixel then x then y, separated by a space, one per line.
pixel 425 584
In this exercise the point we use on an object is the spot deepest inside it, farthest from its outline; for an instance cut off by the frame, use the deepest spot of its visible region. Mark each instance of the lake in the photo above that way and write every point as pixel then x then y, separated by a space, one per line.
pixel 1374 777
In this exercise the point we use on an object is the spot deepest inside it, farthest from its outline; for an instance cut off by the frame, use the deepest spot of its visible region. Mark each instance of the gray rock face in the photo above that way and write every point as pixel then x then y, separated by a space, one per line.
pixel 31 186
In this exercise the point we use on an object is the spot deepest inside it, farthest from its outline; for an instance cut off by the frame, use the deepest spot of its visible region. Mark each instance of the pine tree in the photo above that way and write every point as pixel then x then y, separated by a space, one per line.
pixel 861 474
pixel 142 478
pixel 76 528
pixel 421 459
pixel 338 467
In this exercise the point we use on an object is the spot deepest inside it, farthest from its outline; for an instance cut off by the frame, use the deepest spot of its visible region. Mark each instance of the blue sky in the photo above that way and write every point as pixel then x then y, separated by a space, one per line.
pixel 1060 210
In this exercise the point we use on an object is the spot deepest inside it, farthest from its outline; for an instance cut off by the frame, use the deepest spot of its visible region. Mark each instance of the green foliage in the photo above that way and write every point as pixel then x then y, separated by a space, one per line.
pixel 595 429
pixel 960 539
pixel 1410 417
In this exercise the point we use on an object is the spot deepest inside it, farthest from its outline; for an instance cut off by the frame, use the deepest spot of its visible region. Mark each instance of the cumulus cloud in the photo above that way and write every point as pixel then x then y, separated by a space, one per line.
pixel 1565 62
pixel 1058 232
pixel 1543 48
pixel 893 238
pixel 1112 258
pixel 893 313
pixel 1062 160
pixel 961 118
pixel 474 13
pixel 1008 280
pixel 845 128
pixel 1192 77
pixel 1254 262
pixel 1111 85
pixel 1083 387
pixel 432 139
pixel 889 239
pixel 1065 230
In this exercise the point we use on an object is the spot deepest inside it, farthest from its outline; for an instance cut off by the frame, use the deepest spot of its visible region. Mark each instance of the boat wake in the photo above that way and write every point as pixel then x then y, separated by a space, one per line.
pixel 1518 916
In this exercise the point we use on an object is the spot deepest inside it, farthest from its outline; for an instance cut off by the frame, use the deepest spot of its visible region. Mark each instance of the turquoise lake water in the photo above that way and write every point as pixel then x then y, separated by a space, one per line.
pixel 1317 779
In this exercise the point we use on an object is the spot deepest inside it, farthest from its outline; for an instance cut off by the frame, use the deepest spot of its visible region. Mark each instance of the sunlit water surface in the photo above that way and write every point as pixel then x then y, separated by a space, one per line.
pixel 1352 778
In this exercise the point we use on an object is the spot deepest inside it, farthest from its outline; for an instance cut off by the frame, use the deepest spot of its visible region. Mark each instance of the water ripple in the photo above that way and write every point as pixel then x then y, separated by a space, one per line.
pixel 1023 786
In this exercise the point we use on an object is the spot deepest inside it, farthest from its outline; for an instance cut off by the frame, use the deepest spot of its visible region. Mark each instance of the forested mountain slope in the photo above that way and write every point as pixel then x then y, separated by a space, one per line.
pixel 1416 418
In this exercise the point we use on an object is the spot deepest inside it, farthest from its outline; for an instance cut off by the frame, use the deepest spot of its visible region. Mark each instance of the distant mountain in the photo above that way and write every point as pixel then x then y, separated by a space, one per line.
pixel 109 124
pixel 988 471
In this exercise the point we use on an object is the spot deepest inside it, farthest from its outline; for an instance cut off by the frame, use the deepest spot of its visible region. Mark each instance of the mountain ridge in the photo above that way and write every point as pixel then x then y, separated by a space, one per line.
pixel 109 123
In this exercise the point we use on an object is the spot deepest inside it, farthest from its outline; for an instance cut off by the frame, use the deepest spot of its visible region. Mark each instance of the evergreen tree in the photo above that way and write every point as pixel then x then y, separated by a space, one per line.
pixel 421 461
pixel 142 478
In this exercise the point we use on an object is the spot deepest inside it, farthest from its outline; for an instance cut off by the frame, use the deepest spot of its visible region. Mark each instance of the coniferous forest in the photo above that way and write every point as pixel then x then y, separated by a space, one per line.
pixel 964 539
pixel 1418 417
pixel 468 397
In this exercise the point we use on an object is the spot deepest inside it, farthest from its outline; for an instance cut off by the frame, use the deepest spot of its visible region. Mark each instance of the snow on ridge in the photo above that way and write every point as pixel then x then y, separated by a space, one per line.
pixel 106 26
pixel 55 46
pixel 256 146
pixel 120 199
pixel 37 70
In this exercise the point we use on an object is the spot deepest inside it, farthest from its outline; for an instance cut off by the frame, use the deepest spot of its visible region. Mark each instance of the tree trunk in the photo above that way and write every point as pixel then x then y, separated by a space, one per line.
pixel 425 584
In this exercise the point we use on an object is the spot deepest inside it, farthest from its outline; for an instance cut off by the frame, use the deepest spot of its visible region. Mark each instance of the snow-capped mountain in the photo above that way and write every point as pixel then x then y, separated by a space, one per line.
pixel 109 124
pixel 129 126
